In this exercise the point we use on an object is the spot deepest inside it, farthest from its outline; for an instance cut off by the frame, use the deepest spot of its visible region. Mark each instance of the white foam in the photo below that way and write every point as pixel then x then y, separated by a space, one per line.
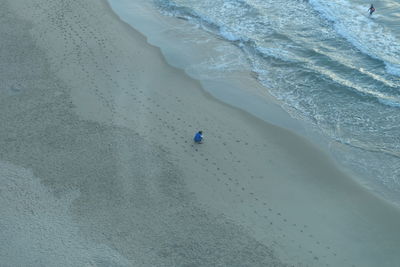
pixel 368 35
pixel 278 53
pixel 230 36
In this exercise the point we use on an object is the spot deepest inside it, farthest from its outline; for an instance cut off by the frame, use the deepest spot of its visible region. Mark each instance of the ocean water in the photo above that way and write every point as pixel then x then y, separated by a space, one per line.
pixel 329 64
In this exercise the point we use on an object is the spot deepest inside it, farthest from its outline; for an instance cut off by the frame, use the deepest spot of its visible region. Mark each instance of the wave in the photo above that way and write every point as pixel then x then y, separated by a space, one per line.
pixel 285 50
pixel 364 32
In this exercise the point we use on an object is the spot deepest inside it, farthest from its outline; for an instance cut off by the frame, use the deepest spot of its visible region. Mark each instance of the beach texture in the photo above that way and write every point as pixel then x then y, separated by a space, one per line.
pixel 98 165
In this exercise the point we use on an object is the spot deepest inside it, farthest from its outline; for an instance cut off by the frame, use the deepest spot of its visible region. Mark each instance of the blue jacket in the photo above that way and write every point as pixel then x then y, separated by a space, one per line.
pixel 198 137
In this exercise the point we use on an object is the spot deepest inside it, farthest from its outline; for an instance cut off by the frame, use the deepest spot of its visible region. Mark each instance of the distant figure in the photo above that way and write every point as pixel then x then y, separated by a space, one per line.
pixel 371 9
pixel 198 138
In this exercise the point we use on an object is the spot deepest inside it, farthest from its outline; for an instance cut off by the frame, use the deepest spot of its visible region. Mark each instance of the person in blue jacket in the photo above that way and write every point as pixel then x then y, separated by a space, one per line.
pixel 198 138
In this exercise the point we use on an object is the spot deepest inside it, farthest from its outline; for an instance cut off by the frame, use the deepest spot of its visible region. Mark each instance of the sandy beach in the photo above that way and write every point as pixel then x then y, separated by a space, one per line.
pixel 98 166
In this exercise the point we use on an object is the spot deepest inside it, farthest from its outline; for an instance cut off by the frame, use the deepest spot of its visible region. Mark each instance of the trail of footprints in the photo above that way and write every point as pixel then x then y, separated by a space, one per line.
pixel 76 46
pixel 272 218
pixel 181 135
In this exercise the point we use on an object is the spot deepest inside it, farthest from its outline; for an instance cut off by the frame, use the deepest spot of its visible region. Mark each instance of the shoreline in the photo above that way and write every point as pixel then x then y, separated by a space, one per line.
pixel 106 118
pixel 179 56
pixel 239 89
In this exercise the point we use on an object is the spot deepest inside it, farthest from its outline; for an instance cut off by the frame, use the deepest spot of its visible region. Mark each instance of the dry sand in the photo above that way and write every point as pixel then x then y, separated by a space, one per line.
pixel 98 167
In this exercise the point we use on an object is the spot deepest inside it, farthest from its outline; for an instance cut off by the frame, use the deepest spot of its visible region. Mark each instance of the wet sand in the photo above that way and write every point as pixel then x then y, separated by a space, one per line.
pixel 98 166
